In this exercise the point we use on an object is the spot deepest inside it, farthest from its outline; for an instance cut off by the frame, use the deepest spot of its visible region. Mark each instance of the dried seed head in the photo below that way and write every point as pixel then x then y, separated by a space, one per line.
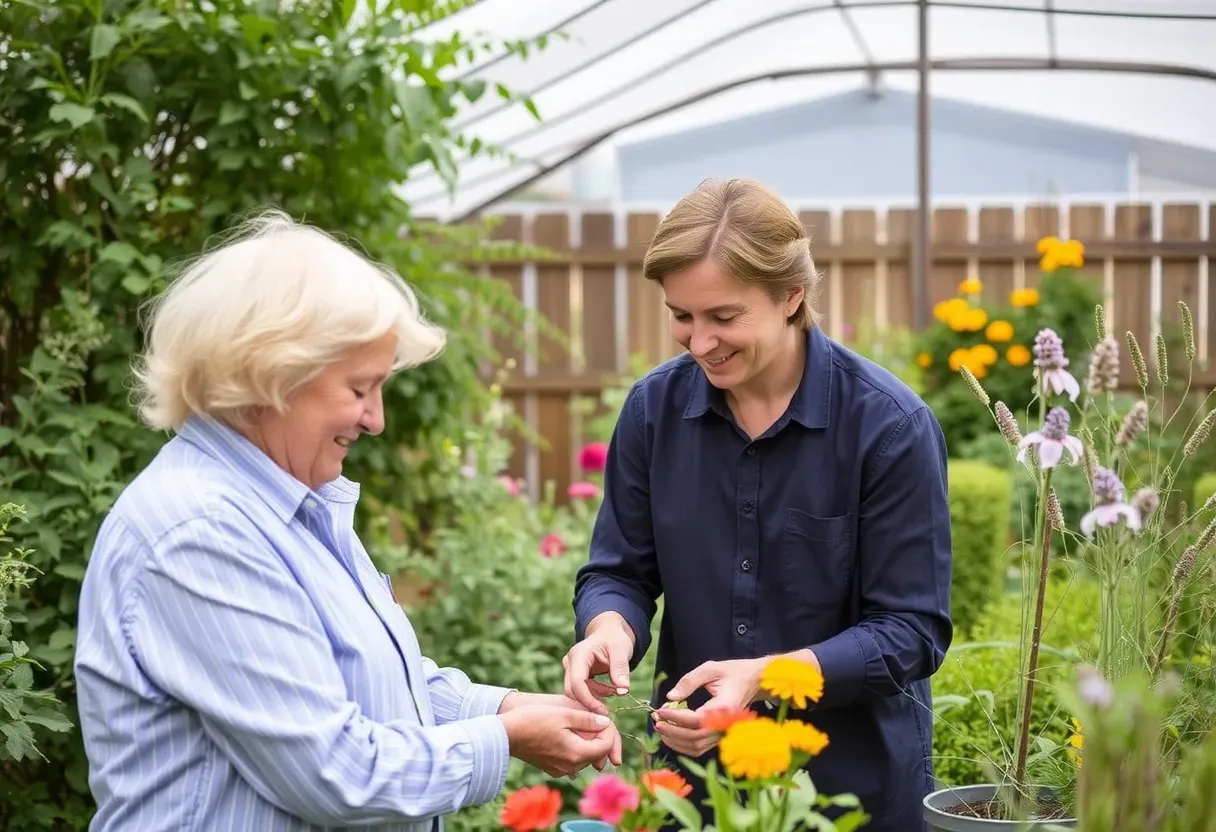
pixel 1209 503
pixel 1100 322
pixel 1163 368
pixel 1188 330
pixel 1186 564
pixel 1104 366
pixel 1206 537
pixel 1146 501
pixel 1055 515
pixel 1089 458
pixel 1009 425
pixel 974 384
pixel 1200 435
pixel 1133 425
pixel 1133 348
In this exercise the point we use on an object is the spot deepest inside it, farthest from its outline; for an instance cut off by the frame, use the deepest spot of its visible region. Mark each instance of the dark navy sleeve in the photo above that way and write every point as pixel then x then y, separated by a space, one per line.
pixel 622 572
pixel 904 562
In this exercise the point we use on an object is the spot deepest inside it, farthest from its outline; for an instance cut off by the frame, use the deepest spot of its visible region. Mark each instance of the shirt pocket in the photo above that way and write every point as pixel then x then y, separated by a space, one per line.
pixel 818 560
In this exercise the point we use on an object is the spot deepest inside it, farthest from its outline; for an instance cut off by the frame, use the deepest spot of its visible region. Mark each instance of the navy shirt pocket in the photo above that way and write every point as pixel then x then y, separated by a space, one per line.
pixel 817 557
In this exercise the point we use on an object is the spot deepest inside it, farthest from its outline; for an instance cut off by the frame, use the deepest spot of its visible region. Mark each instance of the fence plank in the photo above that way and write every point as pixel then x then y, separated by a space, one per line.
pixel 997 225
pixel 901 225
pixel 1179 276
pixel 858 289
pixel 598 306
pixel 1133 304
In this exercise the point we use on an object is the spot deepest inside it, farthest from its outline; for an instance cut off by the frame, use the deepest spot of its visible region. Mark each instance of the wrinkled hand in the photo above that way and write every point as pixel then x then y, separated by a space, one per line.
pixel 516 701
pixel 558 740
pixel 606 649
pixel 731 685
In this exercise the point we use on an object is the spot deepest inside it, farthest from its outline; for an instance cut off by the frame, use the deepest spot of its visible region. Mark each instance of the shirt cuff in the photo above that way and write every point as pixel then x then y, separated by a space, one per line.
pixel 491 758
pixel 842 660
pixel 613 602
pixel 482 700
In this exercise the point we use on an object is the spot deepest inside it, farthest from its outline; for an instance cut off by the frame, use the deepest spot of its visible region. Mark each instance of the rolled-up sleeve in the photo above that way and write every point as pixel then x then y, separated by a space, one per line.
pixel 454 697
pixel 904 561
pixel 217 622
pixel 621 574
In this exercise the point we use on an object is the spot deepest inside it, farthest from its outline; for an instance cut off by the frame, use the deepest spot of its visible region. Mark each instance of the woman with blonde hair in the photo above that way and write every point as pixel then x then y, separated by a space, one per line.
pixel 240 662
pixel 786 497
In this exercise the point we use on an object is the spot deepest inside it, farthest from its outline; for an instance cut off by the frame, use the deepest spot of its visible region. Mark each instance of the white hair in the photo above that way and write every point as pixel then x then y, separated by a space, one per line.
pixel 249 323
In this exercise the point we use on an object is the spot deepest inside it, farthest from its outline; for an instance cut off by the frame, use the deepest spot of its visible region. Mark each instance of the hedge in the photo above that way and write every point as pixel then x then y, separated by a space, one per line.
pixel 981 497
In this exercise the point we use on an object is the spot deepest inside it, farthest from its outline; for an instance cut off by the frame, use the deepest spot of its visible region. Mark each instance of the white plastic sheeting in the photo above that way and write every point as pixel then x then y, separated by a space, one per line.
pixel 627 69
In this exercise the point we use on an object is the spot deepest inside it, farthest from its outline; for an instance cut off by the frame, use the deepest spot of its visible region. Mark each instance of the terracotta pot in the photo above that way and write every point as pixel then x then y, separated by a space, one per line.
pixel 939 803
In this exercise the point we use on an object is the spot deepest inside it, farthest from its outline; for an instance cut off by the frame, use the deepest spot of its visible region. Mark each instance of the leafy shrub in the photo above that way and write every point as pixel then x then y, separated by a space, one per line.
pixel 975 692
pixel 132 134
pixel 980 495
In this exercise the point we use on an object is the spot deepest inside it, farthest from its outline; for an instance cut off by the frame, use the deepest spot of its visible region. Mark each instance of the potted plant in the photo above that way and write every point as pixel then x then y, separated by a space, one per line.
pixel 1123 541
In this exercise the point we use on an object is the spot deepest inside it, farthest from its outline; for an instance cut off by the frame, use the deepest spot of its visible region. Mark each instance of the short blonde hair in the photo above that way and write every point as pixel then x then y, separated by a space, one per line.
pixel 746 228
pixel 252 321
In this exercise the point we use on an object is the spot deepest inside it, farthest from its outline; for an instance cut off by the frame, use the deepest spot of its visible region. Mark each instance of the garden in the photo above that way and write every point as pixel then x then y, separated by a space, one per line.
pixel 1080 685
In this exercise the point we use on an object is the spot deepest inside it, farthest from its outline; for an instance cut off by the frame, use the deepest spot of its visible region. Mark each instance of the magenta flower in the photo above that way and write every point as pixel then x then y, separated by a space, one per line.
pixel 1108 504
pixel 552 545
pixel 583 491
pixel 1052 440
pixel 510 484
pixel 593 457
pixel 1093 687
pixel 608 798
pixel 1049 360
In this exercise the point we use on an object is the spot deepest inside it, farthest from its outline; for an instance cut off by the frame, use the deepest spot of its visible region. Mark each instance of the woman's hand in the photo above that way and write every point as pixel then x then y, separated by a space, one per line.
pixel 732 685
pixel 539 703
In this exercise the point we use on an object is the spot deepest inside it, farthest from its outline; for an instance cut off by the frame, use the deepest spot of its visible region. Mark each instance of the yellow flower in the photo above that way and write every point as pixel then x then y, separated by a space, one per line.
pixel 792 679
pixel 924 360
pixel 959 357
pixel 804 736
pixel 984 354
pixel 1077 742
pixel 977 369
pixel 755 748
pixel 945 310
pixel 1057 254
pixel 971 286
pixel 1017 355
pixel 999 331
pixel 1046 244
pixel 1024 297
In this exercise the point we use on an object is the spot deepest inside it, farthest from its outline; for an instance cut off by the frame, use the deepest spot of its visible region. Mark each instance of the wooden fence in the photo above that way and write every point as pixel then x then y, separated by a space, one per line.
pixel 1150 254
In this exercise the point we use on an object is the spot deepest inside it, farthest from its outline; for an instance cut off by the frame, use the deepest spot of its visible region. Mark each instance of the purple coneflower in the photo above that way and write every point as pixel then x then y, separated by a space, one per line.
pixel 1052 440
pixel 1050 361
pixel 1109 505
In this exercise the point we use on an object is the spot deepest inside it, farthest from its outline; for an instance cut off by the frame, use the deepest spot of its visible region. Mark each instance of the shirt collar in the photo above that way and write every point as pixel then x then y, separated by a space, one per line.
pixel 811 405
pixel 281 491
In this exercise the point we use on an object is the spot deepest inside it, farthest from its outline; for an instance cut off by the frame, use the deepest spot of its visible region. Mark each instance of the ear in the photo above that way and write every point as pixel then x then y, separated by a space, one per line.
pixel 795 300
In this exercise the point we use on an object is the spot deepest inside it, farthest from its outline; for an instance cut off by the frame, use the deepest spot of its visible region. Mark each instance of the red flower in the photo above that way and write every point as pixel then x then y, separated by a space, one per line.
pixel 608 798
pixel 721 719
pixel 593 457
pixel 583 490
pixel 552 545
pixel 531 809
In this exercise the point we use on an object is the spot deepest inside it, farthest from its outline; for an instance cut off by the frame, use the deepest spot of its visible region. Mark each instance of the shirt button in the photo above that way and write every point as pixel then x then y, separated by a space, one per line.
pixel 746 566
pixel 751 450
pixel 741 629
pixel 748 505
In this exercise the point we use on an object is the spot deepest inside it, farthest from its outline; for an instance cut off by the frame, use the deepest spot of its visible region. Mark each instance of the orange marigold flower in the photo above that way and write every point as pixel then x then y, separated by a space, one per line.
pixel 721 719
pixel 959 357
pixel 1046 244
pixel 999 331
pixel 1022 298
pixel 665 778
pixel 983 354
pixel 804 737
pixel 971 286
pixel 755 748
pixel 1017 355
pixel 531 809
pixel 792 679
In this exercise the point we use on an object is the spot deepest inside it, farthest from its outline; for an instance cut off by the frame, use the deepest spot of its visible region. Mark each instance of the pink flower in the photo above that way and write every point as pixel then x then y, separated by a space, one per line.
pixel 593 457
pixel 583 490
pixel 511 484
pixel 608 798
pixel 552 545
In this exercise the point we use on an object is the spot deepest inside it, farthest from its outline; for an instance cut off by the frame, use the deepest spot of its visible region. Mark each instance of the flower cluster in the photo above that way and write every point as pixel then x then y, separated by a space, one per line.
pixel 1056 254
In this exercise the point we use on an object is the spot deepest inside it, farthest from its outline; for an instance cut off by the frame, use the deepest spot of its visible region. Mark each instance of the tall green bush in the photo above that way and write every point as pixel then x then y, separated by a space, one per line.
pixel 132 134
pixel 980 499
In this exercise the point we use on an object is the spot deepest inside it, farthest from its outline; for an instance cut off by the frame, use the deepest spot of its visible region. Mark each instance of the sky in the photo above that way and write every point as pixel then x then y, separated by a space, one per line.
pixel 682 60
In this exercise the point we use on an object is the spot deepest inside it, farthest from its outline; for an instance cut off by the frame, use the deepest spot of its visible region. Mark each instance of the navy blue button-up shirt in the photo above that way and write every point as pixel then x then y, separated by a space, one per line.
pixel 829 531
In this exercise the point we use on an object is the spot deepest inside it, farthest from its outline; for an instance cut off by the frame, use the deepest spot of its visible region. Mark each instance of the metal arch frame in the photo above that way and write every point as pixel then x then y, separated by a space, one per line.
pixel 923 67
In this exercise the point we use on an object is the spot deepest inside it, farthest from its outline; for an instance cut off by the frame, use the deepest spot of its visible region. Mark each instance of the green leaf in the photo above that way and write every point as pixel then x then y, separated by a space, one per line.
pixel 105 38
pixel 51 720
pixel 125 102
pixel 136 284
pixel 681 809
pixel 256 29
pixel 348 9
pixel 247 90
pixel 124 254
pixel 62 639
pixel 474 89
pixel 231 112
pixel 76 115
pixel 71 571
pixel 173 203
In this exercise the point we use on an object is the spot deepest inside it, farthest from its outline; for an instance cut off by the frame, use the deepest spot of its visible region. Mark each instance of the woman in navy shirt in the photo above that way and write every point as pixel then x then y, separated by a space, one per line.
pixel 787 497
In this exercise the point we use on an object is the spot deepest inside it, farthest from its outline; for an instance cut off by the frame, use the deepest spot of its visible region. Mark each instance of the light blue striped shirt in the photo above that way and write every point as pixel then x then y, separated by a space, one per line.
pixel 241 664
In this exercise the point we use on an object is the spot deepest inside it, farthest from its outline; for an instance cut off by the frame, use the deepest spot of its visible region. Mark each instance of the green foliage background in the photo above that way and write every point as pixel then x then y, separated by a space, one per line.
pixel 980 500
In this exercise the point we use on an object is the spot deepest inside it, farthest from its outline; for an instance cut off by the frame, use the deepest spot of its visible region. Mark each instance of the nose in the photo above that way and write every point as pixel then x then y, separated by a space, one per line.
pixel 373 414
pixel 702 343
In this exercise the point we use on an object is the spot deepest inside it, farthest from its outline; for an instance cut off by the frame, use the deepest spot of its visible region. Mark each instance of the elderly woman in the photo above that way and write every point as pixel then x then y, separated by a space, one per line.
pixel 786 496
pixel 240 662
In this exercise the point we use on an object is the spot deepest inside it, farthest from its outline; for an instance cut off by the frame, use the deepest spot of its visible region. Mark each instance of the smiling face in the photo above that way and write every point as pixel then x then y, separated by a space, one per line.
pixel 734 330
pixel 311 439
